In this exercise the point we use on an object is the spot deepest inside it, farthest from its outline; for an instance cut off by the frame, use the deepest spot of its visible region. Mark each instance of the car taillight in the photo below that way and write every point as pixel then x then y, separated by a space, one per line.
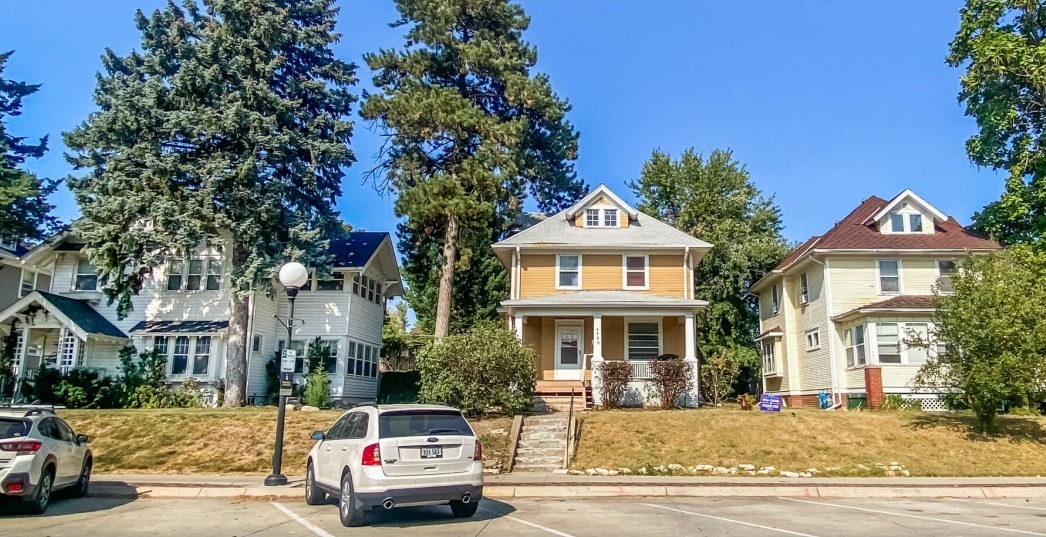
pixel 371 455
pixel 22 447
pixel 479 452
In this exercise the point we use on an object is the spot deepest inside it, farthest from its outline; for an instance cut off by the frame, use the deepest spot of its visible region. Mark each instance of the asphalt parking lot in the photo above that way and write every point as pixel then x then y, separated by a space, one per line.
pixel 563 518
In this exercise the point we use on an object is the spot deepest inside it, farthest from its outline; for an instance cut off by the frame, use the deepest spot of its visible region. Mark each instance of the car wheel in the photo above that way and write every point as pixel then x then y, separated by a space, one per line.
pixel 84 482
pixel 464 510
pixel 37 504
pixel 351 514
pixel 313 494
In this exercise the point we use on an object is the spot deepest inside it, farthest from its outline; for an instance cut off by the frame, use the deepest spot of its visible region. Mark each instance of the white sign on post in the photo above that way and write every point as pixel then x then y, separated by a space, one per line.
pixel 287 360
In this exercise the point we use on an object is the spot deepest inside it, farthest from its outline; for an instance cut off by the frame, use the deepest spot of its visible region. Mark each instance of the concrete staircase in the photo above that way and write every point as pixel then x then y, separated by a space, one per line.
pixel 541 444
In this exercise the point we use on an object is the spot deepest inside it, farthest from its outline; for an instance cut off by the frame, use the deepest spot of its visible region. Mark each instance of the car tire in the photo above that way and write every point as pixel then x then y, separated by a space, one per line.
pixel 37 503
pixel 314 495
pixel 82 484
pixel 350 513
pixel 464 510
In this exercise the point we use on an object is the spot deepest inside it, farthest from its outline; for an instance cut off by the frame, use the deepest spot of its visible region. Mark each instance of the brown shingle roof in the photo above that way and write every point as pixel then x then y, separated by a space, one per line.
pixel 899 302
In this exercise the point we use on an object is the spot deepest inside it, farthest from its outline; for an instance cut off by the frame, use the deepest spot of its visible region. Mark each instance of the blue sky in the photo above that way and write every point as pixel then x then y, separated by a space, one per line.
pixel 826 102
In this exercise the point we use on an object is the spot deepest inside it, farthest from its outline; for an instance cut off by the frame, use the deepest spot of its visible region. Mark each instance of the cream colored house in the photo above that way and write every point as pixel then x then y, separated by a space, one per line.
pixel 601 281
pixel 182 311
pixel 834 314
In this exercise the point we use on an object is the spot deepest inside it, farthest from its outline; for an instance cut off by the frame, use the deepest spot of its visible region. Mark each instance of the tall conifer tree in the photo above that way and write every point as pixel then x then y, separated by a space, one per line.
pixel 229 127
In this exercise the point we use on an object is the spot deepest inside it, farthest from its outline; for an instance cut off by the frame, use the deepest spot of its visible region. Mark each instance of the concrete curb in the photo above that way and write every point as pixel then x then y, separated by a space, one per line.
pixel 856 490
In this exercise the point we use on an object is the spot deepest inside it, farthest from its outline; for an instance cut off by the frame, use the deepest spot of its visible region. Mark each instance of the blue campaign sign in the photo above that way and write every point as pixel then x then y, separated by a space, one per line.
pixel 770 403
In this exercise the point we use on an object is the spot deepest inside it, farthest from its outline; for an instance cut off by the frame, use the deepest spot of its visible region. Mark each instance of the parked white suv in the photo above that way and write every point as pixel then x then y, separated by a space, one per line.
pixel 396 456
pixel 39 454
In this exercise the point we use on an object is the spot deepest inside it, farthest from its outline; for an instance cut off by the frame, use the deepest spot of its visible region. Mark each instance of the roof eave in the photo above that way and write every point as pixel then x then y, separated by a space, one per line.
pixel 873 311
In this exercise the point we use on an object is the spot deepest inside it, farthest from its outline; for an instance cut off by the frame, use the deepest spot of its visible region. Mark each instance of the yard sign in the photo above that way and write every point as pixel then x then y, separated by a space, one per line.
pixel 770 403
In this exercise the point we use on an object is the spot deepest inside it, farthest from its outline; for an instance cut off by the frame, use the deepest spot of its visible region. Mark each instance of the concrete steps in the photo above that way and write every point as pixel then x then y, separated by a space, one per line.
pixel 541 444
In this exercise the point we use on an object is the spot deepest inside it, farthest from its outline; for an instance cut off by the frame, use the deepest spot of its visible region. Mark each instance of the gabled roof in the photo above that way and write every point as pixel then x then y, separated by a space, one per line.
pixel 897 304
pixel 938 216
pixel 77 315
pixel 601 190
pixel 356 248
pixel 646 231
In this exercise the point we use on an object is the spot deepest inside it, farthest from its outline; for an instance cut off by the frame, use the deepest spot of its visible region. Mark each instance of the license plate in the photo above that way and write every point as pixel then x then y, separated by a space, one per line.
pixel 432 452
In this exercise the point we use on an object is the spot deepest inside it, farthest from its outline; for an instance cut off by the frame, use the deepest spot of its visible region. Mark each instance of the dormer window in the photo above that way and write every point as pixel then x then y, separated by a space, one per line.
pixel 601 217
pixel 610 217
pixel 86 278
pixel 915 222
pixel 592 218
pixel 897 222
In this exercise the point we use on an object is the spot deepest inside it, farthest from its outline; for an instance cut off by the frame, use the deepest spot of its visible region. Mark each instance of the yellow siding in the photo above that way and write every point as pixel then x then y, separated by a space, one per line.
pixel 918 276
pixel 538 275
pixel 674 339
pixel 624 220
pixel 532 337
pixel 600 272
pixel 548 348
pixel 815 367
pixel 666 275
pixel 855 280
pixel 613 338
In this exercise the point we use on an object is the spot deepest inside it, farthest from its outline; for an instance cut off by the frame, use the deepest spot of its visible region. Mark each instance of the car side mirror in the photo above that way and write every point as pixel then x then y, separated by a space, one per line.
pixel 82 439
pixel 319 435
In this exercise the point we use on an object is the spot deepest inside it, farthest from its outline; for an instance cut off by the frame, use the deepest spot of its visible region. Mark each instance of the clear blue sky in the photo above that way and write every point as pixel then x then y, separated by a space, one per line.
pixel 826 102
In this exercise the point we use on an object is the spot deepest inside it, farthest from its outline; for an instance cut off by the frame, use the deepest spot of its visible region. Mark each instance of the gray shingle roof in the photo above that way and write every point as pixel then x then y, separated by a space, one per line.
pixel 180 327
pixel 605 298
pixel 646 231
pixel 81 313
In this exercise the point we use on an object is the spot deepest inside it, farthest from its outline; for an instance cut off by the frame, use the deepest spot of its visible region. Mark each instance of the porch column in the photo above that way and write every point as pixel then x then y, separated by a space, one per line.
pixel 20 360
pixel 597 337
pixel 690 350
pixel 518 321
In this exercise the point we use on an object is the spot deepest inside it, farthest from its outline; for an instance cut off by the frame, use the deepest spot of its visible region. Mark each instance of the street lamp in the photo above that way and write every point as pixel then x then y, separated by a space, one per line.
pixel 293 275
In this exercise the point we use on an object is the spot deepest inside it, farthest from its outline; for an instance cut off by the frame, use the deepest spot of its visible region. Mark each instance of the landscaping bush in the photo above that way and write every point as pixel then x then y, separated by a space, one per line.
pixel 317 388
pixel 718 373
pixel 670 380
pixel 399 387
pixel 482 369
pixel 188 394
pixel 143 382
pixel 43 387
pixel 7 362
pixel 896 402
pixel 613 381
pixel 83 388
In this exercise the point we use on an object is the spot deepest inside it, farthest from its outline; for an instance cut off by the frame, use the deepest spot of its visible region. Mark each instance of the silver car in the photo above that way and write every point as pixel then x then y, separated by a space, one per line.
pixel 40 454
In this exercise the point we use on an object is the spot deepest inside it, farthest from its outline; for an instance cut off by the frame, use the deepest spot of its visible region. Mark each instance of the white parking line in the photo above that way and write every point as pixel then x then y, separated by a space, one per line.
pixel 779 530
pixel 999 504
pixel 945 520
pixel 301 520
pixel 531 524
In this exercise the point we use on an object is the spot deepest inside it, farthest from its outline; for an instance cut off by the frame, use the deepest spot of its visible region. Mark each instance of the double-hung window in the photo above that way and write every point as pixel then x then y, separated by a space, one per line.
pixel 180 358
pixel 804 289
pixel 214 274
pixel 945 271
pixel 568 272
pixel 920 332
pixel 889 276
pixel 28 283
pixel 644 341
pixel 175 268
pixel 769 363
pixel 202 357
pixel 813 339
pixel 775 301
pixel 591 217
pixel 888 343
pixel 86 276
pixel 915 223
pixel 195 278
pixel 330 355
pixel 853 340
pixel 610 217
pixel 334 282
pixel 636 272
pixel 897 222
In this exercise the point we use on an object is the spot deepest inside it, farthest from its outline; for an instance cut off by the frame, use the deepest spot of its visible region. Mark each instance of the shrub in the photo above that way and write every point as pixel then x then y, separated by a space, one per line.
pixel 43 388
pixel 718 373
pixel 479 370
pixel 896 402
pixel 670 381
pixel 399 387
pixel 614 377
pixel 143 382
pixel 220 396
pixel 83 388
pixel 188 395
pixel 317 388
pixel 7 362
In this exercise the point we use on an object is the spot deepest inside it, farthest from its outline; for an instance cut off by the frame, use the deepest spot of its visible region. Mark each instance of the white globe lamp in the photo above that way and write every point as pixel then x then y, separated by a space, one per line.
pixel 293 275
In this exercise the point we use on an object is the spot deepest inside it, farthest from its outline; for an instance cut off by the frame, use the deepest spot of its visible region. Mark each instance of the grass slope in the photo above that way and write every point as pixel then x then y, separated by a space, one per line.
pixel 927 444
pixel 215 441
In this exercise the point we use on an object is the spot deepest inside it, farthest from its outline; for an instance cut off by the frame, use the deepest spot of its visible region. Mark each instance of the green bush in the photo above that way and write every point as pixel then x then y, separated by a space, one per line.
pixel 399 387
pixel 896 402
pixel 317 388
pixel 83 388
pixel 480 370
pixel 143 382
pixel 188 395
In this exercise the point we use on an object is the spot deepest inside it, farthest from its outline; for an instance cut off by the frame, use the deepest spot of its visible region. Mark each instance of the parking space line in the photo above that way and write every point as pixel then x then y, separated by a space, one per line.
pixel 945 520
pixel 770 528
pixel 301 520
pixel 999 504
pixel 531 524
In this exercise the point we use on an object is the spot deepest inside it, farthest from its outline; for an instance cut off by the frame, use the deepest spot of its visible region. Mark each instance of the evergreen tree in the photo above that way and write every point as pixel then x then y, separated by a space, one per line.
pixel 230 128
pixel 469 133
pixel 999 43
pixel 24 210
pixel 715 201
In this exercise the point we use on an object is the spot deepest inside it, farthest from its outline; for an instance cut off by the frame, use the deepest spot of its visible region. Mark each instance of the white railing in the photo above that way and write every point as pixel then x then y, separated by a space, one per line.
pixel 640 369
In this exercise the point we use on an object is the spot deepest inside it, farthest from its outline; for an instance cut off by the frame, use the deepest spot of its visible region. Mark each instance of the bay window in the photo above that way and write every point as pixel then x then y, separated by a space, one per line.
pixel 769 363
pixel 853 340
pixel 888 343
pixel 180 357
pixel 202 356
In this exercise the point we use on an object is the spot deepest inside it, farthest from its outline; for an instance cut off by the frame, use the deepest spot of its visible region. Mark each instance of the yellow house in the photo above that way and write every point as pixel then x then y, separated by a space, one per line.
pixel 601 281
pixel 834 315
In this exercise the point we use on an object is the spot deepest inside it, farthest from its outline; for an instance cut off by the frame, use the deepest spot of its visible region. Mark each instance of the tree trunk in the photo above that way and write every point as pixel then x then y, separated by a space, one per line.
pixel 446 278
pixel 236 350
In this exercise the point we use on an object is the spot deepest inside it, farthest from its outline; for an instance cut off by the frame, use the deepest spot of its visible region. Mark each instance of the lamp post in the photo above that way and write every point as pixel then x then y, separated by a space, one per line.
pixel 292 276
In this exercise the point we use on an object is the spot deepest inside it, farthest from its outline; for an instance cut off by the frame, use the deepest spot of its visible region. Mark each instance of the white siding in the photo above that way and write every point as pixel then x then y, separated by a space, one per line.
pixel 814 365
pixel 265 326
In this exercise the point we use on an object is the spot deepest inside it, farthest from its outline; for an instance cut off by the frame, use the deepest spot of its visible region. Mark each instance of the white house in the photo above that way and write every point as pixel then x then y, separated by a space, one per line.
pixel 64 320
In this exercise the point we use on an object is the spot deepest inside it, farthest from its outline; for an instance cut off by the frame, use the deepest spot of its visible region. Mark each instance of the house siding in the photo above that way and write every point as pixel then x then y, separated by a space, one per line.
pixel 10 283
pixel 814 365
pixel 600 272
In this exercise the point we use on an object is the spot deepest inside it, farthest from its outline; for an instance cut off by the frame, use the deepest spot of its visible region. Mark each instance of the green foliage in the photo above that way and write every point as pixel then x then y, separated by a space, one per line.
pixel 469 131
pixel 480 370
pixel 220 395
pixel 188 394
pixel 614 376
pixel 230 127
pixel 83 388
pixel 718 372
pixel 399 387
pixel 317 388
pixel 670 382
pixel 44 386
pixel 24 210
pixel 715 201
pixel 999 43
pixel 991 325
pixel 395 340
pixel 896 402
pixel 143 381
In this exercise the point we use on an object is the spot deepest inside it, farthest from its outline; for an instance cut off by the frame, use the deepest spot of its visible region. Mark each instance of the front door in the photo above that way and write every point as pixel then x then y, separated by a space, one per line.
pixel 569 351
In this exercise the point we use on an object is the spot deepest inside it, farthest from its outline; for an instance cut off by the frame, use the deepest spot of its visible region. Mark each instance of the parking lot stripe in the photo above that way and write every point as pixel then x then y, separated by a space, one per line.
pixel 531 524
pixel 770 528
pixel 945 520
pixel 999 504
pixel 300 520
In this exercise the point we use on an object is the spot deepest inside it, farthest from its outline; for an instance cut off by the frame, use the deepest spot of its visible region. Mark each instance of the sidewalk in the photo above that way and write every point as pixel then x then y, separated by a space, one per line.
pixel 541 485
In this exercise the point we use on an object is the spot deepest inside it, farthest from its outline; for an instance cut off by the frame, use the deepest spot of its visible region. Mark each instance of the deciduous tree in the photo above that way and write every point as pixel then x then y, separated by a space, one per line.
pixel 228 127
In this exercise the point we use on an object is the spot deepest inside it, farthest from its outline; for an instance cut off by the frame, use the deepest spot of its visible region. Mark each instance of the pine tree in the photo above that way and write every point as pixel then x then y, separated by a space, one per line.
pixel 229 128
pixel 24 210
pixel 469 133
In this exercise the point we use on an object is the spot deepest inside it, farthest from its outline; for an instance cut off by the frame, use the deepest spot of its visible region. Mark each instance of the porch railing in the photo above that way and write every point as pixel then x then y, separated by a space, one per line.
pixel 640 369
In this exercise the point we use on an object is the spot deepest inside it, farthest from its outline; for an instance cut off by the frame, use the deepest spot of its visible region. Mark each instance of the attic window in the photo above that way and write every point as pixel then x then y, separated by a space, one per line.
pixel 610 217
pixel 592 218
pixel 915 222
pixel 601 217
pixel 897 223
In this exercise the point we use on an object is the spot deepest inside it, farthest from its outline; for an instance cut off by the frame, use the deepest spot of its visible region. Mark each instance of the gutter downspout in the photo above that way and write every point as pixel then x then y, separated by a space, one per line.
pixel 512 288
pixel 519 273
pixel 831 326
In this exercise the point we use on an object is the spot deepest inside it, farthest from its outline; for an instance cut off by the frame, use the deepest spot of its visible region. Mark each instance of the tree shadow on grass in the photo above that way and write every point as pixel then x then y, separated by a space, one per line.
pixel 1013 428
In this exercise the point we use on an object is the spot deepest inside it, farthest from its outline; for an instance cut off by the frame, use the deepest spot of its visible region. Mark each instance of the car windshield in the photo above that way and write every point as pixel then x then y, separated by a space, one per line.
pixel 14 428
pixel 421 423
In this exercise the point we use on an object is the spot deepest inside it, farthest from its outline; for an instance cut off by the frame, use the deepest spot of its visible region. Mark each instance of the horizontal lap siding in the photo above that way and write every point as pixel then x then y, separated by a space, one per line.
pixel 270 331
pixel 898 376
pixel 815 366
pixel 673 340
pixel 538 275
pixel 613 338
pixel 10 284
pixel 666 275
pixel 600 272
pixel 103 354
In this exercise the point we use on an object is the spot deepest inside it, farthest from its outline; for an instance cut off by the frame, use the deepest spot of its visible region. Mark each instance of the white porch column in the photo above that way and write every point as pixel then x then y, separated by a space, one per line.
pixel 690 348
pixel 518 321
pixel 597 337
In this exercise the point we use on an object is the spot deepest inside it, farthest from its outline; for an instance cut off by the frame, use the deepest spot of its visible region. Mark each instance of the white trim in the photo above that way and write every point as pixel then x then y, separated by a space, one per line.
pixel 512 278
pixel 775 301
pixel 804 288
pixel 569 287
pixel 557 371
pixel 915 197
pixel 955 264
pixel 813 332
pixel 660 332
pixel 879 277
pixel 624 273
pixel 594 195
pixel 833 334
pixel 772 345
